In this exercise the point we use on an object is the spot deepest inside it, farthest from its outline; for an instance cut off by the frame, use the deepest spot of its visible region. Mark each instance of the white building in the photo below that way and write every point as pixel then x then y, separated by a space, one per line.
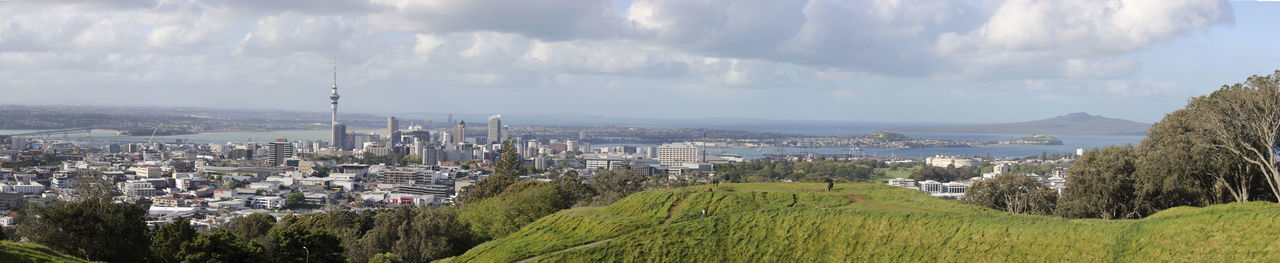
pixel 676 154
pixel 28 187
pixel 266 202
pixel 945 160
pixel 604 161
pixel 904 183
pixel 138 188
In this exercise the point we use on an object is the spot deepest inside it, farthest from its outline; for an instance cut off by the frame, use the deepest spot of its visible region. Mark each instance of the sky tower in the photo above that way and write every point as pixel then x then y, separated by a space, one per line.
pixel 336 139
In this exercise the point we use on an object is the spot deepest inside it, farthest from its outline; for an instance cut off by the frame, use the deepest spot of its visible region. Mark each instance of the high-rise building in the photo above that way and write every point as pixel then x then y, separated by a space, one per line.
pixel 336 137
pixel 393 130
pixel 459 132
pixel 340 140
pixel 676 154
pixel 279 150
pixel 495 129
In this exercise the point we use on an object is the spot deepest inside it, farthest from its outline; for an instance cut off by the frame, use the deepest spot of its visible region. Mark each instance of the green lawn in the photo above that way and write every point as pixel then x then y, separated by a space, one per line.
pixel 801 222
pixel 890 174
pixel 27 252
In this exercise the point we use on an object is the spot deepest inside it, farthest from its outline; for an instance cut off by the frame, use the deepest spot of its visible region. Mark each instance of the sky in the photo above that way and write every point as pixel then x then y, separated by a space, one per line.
pixel 840 60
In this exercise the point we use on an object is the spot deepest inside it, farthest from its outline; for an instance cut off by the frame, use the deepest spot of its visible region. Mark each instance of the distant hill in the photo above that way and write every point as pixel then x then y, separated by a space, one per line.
pixel 801 222
pixel 1079 123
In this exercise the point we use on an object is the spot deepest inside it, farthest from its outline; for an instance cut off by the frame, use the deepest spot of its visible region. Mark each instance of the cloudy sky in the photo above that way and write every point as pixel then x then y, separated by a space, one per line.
pixel 867 60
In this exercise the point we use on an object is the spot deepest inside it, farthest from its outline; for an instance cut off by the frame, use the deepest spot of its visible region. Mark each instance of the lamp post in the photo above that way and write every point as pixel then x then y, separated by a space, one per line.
pixel 308 254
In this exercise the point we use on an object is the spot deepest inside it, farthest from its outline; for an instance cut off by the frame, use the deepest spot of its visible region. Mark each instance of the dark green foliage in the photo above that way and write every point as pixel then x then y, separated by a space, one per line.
pixel 294 199
pixel 945 174
pixel 505 172
pixel 219 246
pixel 168 240
pixel 613 185
pixel 92 227
pixel 296 243
pixel 521 204
pixel 250 227
pixel 1101 185
pixel 385 258
pixel 573 190
pixel 1013 193
pixel 414 234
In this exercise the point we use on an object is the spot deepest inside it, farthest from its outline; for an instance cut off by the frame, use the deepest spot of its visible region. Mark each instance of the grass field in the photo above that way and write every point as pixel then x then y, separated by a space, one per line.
pixel 890 173
pixel 26 252
pixel 801 222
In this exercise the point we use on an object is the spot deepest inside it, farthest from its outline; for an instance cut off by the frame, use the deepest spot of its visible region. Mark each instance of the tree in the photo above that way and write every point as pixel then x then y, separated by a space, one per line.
pixel 1244 120
pixel 168 240
pixel 220 246
pixel 573 190
pixel 519 205
pixel 294 199
pixel 1013 193
pixel 1101 185
pixel 415 234
pixel 91 226
pixel 249 227
pixel 506 171
pixel 385 258
pixel 1178 167
pixel 612 185
pixel 296 243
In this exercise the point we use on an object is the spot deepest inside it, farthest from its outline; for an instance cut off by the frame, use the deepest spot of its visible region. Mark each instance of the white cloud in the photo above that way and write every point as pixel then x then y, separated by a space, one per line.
pixel 660 46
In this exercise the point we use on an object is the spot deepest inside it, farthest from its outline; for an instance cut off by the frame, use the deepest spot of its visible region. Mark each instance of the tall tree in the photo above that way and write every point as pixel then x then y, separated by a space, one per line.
pixel 220 246
pixel 296 243
pixel 1013 193
pixel 1244 120
pixel 168 240
pixel 505 172
pixel 91 226
pixel 1101 185
pixel 250 227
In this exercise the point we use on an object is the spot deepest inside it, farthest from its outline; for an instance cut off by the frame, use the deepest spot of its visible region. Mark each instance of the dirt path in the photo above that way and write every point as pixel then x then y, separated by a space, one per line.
pixel 534 258
pixel 855 198
pixel 670 215
pixel 671 211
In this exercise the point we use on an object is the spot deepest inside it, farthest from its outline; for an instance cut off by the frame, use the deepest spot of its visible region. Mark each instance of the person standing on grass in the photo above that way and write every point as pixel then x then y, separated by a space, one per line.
pixel 830 184
pixel 704 213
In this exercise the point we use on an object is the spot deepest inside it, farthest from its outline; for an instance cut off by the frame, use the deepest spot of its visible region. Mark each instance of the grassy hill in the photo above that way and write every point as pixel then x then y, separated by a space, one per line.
pixel 27 252
pixel 800 222
pixel 1079 123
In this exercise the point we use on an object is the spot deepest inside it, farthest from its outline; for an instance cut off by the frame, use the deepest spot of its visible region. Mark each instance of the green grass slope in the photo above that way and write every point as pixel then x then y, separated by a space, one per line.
pixel 27 252
pixel 800 222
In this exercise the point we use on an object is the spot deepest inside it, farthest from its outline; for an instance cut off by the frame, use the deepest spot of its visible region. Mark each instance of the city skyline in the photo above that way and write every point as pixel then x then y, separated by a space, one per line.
pixel 849 62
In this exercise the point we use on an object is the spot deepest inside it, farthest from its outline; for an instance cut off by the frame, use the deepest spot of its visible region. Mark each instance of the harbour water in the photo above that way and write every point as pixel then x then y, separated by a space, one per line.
pixel 1070 143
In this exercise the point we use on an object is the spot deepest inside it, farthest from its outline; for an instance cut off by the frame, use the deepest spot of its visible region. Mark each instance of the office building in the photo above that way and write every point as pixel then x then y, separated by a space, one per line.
pixel 393 131
pixel 676 154
pixel 279 150
pixel 495 129
pixel 459 132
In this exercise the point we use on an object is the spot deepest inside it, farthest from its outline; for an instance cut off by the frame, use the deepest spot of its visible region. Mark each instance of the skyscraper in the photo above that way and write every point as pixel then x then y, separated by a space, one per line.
pixel 495 129
pixel 279 150
pixel 336 137
pixel 341 141
pixel 460 132
pixel 393 130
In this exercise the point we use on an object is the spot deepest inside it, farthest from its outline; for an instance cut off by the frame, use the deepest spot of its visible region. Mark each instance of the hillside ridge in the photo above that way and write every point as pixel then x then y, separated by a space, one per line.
pixel 870 222
pixel 1079 123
